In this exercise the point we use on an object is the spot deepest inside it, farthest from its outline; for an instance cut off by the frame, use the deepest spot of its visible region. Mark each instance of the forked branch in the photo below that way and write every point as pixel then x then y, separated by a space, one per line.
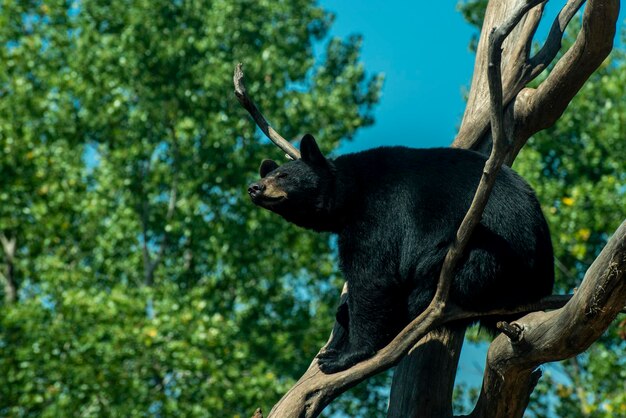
pixel 531 110
pixel 552 45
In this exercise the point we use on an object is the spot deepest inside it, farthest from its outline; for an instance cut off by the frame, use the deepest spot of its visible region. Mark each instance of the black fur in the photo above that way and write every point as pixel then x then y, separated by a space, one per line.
pixel 396 211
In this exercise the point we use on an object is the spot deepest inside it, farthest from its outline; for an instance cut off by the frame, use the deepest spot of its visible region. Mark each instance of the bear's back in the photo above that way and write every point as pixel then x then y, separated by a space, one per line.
pixel 433 184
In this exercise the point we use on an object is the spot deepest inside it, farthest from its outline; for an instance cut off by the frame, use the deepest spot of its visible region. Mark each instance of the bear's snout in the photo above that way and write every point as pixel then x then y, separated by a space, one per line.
pixel 266 193
pixel 256 189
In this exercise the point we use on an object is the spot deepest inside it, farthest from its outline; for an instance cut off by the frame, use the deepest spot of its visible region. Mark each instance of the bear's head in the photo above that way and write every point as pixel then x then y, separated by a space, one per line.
pixel 301 191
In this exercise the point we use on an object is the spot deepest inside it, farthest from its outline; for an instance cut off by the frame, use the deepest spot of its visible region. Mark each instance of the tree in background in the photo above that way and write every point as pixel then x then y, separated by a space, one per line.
pixel 137 280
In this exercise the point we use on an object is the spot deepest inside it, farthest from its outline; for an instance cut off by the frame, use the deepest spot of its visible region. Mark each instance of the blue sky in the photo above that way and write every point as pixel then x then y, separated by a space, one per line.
pixel 422 48
pixel 423 51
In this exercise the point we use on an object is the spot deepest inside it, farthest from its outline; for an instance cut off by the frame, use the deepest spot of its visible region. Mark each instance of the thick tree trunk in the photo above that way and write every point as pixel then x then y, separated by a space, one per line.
pixel 423 382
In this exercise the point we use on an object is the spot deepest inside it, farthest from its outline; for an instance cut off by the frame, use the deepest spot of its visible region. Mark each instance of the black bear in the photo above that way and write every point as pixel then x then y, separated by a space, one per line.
pixel 395 211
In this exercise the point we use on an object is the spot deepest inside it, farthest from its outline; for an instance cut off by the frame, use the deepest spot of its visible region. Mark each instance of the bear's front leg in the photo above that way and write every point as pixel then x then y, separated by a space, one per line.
pixel 372 324
pixel 339 335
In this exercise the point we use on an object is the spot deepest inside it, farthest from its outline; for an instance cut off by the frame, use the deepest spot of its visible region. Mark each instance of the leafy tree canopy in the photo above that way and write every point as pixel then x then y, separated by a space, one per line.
pixel 146 283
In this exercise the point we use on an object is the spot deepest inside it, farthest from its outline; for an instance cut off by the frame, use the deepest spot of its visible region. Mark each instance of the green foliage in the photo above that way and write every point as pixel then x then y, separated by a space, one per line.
pixel 464 398
pixel 473 12
pixel 123 148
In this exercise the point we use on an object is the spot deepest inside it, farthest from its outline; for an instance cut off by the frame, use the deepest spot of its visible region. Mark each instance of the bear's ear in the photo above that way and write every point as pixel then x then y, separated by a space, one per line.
pixel 266 167
pixel 309 150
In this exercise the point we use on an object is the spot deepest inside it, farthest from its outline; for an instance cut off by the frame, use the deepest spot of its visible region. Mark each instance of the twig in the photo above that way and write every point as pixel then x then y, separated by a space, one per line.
pixel 552 45
pixel 513 331
pixel 248 104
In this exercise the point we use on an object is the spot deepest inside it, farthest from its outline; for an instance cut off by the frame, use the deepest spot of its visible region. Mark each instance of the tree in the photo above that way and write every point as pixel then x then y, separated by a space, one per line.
pixel 515 113
pixel 130 287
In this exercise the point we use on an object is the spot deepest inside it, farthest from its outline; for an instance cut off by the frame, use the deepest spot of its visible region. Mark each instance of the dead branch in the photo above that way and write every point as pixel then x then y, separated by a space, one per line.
pixel 551 47
pixel 539 108
pixel 513 331
pixel 248 104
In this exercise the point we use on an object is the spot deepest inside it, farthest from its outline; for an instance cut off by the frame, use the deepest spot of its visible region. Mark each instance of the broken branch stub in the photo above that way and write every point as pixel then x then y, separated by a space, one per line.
pixel 248 104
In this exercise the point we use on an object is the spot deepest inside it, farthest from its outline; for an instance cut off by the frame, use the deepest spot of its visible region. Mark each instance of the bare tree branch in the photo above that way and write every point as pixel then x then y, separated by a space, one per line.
pixel 547 303
pixel 599 25
pixel 537 109
pixel 513 331
pixel 248 104
pixel 552 45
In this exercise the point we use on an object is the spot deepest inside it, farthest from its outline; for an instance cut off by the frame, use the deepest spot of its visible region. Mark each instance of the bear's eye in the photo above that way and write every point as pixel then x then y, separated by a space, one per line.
pixel 281 175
